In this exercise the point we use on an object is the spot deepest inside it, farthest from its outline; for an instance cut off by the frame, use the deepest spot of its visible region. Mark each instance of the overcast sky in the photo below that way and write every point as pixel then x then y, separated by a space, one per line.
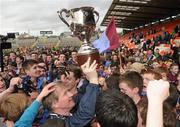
pixel 35 15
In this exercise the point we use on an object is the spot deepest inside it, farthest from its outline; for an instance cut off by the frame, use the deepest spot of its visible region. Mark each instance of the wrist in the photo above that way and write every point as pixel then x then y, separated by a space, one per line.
pixel 155 101
pixel 93 80
pixel 9 90
pixel 39 99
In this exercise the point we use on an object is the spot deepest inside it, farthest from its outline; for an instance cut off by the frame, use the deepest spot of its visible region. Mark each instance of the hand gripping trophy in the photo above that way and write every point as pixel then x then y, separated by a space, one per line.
pixel 81 22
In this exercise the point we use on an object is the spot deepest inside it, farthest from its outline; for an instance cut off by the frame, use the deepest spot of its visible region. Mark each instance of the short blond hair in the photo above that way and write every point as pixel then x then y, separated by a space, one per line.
pixel 11 108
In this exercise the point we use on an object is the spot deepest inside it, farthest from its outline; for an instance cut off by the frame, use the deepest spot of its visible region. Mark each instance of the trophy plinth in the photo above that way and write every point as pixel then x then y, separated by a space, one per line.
pixel 85 51
pixel 82 23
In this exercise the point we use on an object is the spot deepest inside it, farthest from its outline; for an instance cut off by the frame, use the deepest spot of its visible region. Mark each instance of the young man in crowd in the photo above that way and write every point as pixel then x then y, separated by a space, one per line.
pixel 149 75
pixel 131 83
pixel 31 84
pixel 115 109
pixel 173 74
pixel 73 59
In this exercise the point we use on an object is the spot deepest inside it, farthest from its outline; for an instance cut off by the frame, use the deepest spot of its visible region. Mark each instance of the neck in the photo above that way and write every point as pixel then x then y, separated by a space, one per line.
pixel 75 60
pixel 33 79
pixel 63 112
pixel 136 99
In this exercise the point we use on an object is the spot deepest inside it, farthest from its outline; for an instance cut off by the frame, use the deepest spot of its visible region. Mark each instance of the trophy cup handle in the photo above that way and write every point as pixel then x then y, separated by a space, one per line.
pixel 97 14
pixel 61 16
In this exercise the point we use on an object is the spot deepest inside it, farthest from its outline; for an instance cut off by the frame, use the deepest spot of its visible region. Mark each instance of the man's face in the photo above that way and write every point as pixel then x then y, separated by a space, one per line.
pixel 62 58
pixel 126 89
pixel 6 58
pixel 44 56
pixel 33 71
pixel 155 65
pixel 34 56
pixel 12 56
pixel 49 58
pixel 65 98
pixel 74 55
pixel 146 78
pixel 157 51
pixel 115 58
pixel 102 83
pixel 18 60
pixel 175 70
pixel 70 79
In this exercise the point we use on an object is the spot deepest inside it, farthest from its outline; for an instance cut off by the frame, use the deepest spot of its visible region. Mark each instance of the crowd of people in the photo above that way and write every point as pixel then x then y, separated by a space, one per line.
pixel 127 88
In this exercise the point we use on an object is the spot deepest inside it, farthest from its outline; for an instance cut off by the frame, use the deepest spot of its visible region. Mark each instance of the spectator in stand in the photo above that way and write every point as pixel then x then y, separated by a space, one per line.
pixel 6 59
pixel 173 73
pixel 49 59
pixel 176 53
pixel 115 60
pixel 12 58
pixel 155 64
pixel 178 78
pixel 73 59
pixel 34 56
pixel 19 61
pixel 150 55
pixel 62 60
pixel 157 54
pixel 44 56
pixel 102 83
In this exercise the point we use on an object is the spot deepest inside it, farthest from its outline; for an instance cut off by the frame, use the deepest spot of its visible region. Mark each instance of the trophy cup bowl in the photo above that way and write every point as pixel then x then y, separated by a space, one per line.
pixel 81 22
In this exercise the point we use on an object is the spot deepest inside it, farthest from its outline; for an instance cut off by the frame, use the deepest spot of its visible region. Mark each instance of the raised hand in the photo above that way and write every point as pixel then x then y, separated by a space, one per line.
pixel 46 90
pixel 14 81
pixel 90 71
pixel 158 90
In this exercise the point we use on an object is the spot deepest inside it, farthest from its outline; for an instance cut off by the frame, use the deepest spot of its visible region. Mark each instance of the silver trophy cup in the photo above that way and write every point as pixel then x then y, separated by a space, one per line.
pixel 81 22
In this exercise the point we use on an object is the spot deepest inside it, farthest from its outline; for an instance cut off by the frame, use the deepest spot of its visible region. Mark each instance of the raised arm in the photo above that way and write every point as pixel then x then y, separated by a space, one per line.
pixel 27 118
pixel 13 82
pixel 86 107
pixel 157 92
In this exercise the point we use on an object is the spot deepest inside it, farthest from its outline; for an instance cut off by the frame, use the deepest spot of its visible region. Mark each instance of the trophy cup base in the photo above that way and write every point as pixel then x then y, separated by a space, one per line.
pixel 82 58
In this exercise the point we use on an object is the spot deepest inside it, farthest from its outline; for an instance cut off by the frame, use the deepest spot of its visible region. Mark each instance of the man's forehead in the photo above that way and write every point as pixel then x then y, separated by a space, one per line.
pixel 34 66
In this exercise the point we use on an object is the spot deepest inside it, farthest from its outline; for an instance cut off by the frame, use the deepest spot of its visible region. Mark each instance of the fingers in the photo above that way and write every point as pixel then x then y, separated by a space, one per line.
pixel 93 65
pixel 86 64
pixel 49 86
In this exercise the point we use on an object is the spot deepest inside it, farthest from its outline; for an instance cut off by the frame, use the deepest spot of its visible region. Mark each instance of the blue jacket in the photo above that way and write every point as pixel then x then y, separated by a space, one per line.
pixel 29 115
pixel 86 109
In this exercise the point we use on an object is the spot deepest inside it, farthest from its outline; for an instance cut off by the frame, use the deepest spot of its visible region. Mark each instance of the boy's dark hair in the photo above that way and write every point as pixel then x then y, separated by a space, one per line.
pixel 133 79
pixel 76 70
pixel 173 97
pixel 113 82
pixel 116 109
pixel 29 63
